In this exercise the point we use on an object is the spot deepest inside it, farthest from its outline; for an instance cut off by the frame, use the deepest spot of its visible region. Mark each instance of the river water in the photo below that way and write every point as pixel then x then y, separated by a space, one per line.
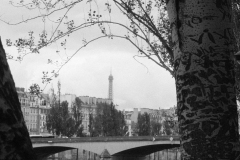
pixel 169 154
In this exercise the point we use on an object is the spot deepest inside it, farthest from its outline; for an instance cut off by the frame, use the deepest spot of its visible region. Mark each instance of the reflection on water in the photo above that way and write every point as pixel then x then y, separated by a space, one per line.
pixel 170 154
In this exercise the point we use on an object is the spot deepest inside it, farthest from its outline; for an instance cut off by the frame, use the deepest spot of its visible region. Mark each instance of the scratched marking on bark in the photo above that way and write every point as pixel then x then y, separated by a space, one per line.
pixel 205 79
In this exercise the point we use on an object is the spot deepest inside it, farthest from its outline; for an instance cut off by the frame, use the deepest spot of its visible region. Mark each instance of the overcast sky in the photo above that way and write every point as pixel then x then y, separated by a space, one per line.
pixel 137 83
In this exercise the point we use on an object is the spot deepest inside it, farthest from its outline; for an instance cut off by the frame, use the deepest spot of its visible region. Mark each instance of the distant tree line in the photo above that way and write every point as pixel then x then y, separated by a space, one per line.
pixel 60 121
pixel 67 121
pixel 105 121
pixel 108 121
pixel 143 124
pixel 147 126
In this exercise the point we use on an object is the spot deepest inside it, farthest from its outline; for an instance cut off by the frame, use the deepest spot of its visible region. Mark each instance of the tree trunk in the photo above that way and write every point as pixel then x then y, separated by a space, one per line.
pixel 14 137
pixel 204 71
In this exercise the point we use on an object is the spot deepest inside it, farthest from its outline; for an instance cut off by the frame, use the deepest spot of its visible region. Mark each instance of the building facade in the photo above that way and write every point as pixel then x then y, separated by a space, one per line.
pixel 88 107
pixel 35 110
pixel 87 111
pixel 159 116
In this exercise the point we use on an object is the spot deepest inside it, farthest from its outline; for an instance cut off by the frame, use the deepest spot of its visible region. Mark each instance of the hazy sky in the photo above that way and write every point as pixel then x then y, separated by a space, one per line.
pixel 137 83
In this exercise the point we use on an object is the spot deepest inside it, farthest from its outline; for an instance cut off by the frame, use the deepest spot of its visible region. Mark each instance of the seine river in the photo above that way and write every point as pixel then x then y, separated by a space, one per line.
pixel 170 154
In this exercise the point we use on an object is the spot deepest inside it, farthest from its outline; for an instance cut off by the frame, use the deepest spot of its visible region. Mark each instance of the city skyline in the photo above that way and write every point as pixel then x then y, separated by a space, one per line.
pixel 138 82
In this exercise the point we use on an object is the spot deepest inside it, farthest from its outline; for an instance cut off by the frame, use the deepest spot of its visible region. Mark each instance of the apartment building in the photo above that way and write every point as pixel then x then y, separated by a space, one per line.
pixel 35 110
pixel 89 106
pixel 161 115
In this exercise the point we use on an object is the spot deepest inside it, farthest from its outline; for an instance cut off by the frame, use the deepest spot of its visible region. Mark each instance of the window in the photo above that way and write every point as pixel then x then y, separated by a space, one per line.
pixel 44 103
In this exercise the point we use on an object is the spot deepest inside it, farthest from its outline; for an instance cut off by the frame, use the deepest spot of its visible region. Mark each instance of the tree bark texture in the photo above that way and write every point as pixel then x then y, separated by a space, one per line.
pixel 14 137
pixel 204 71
